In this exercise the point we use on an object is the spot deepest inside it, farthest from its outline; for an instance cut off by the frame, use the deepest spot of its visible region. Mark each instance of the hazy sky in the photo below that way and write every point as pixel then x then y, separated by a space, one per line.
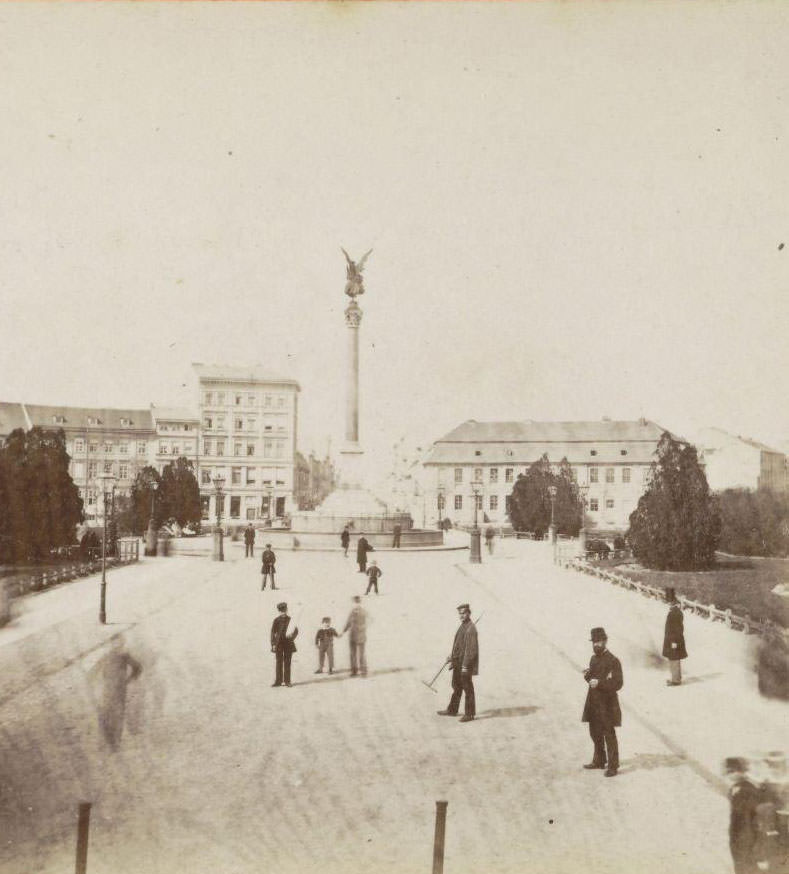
pixel 575 209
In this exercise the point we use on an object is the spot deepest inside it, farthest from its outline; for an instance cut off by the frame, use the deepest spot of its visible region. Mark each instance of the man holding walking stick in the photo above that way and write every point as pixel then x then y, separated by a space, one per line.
pixel 464 661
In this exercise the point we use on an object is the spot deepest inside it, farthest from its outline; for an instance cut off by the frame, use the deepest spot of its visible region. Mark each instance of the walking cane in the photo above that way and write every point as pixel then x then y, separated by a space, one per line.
pixel 441 671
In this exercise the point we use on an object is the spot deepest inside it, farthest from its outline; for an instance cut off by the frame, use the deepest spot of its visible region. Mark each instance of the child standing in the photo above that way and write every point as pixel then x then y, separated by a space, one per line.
pixel 373 574
pixel 324 640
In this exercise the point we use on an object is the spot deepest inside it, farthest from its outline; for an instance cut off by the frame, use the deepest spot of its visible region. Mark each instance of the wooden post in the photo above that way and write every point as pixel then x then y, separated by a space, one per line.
pixel 82 837
pixel 438 841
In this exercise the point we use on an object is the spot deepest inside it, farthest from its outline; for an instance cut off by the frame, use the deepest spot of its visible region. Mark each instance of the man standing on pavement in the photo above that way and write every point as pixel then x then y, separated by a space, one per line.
pixel 282 644
pixel 674 639
pixel 357 626
pixel 345 539
pixel 601 709
pixel 268 560
pixel 489 535
pixel 362 548
pixel 373 575
pixel 464 660
pixel 396 534
pixel 249 541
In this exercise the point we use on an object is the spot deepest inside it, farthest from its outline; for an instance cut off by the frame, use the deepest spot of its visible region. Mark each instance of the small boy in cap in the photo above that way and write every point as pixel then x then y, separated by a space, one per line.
pixel 373 574
pixel 324 640
pixel 601 709
pixel 267 567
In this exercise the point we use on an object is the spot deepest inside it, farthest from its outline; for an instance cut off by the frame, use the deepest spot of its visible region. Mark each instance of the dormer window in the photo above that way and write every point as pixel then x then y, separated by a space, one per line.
pixel 126 423
pixel 623 451
pixel 593 452
pixel 477 452
pixel 59 420
pixel 92 420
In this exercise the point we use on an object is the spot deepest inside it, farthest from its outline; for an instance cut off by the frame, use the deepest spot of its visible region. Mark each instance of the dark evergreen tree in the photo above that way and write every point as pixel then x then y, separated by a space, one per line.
pixel 530 502
pixel 180 498
pixel 142 496
pixel 676 525
pixel 41 503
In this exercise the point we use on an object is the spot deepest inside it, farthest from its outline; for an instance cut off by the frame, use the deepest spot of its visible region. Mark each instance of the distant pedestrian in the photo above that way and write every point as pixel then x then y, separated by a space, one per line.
pixel 267 567
pixel 396 533
pixel 249 541
pixel 324 640
pixel 464 661
pixel 674 639
pixel 601 709
pixel 345 539
pixel 357 628
pixel 362 548
pixel 489 535
pixel 374 573
pixel 283 644
pixel 116 670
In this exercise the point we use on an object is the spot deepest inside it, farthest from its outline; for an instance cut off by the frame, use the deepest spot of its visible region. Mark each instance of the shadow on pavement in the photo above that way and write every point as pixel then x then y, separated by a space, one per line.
pixel 686 681
pixel 500 712
pixel 345 674
pixel 651 761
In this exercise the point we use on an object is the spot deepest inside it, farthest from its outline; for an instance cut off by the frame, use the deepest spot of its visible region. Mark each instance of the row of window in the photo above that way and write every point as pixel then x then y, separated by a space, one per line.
pixel 175 448
pixel 271 448
pixel 239 476
pixel 176 427
pixel 493 503
pixel 252 510
pixel 108 446
pixel 220 398
pixel 509 474
pixel 121 470
pixel 217 423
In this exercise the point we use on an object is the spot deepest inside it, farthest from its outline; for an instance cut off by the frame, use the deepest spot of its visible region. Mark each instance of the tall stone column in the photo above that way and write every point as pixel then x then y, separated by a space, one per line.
pixel 353 319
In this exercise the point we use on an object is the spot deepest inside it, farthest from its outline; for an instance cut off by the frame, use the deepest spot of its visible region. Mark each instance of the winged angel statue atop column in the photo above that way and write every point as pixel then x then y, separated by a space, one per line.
pixel 354 285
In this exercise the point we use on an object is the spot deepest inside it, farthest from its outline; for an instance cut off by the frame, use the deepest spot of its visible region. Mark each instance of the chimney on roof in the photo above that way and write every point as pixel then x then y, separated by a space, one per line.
pixel 642 421
pixel 606 418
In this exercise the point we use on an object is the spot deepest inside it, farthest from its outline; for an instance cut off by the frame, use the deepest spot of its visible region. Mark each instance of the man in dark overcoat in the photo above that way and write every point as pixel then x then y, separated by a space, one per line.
pixel 362 548
pixel 674 639
pixel 249 541
pixel 396 534
pixel 345 539
pixel 464 660
pixel 744 797
pixel 283 644
pixel 601 710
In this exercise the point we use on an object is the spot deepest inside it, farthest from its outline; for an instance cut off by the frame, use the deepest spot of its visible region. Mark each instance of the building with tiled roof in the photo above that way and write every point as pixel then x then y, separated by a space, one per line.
pixel 612 458
pixel 99 440
pixel 734 462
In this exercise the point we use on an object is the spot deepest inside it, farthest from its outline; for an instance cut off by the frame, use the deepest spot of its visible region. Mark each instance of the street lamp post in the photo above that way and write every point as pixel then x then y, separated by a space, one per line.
pixel 583 491
pixel 150 536
pixel 440 507
pixel 106 480
pixel 219 547
pixel 475 555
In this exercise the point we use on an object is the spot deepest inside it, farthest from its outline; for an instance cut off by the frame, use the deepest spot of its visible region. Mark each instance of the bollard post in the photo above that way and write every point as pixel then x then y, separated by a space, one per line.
pixel 438 841
pixel 82 837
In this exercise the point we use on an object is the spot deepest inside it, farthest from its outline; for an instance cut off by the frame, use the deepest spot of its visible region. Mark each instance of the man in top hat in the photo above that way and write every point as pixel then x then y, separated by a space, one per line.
pixel 283 644
pixel 267 567
pixel 249 541
pixel 464 660
pixel 674 639
pixel 601 709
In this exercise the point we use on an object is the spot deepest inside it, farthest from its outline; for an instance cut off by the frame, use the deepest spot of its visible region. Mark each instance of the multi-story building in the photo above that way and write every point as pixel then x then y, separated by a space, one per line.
pixel 477 464
pixel 733 462
pixel 248 420
pixel 100 442
pixel 177 434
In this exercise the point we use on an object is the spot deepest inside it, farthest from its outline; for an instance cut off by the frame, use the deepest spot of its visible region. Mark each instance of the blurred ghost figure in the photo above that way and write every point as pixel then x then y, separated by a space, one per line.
pixel 114 672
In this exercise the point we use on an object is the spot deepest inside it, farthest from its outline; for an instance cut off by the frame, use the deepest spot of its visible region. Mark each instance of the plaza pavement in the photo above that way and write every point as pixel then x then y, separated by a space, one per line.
pixel 218 772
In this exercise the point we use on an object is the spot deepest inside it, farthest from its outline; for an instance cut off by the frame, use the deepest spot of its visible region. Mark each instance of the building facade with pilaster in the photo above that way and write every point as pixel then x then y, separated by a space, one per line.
pixel 248 420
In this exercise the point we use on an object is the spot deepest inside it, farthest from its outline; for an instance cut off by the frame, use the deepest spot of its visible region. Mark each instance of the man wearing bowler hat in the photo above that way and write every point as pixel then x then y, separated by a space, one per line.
pixel 464 659
pixel 282 644
pixel 601 709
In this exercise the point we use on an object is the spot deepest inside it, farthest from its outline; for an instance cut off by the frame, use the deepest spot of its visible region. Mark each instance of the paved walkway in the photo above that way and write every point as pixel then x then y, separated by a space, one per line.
pixel 216 771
